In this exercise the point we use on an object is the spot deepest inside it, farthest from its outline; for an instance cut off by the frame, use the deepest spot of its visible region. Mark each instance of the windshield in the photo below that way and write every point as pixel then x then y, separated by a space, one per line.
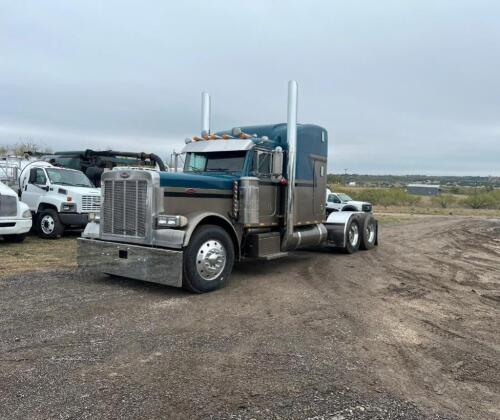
pixel 215 162
pixel 67 177
pixel 344 197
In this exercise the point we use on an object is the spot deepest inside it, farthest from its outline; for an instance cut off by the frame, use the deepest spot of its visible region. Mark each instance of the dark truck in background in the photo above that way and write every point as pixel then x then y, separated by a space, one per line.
pixel 251 192
pixel 93 163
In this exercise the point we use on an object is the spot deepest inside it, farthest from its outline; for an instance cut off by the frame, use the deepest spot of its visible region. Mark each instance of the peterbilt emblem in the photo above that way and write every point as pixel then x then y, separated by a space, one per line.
pixel 124 174
pixel 190 191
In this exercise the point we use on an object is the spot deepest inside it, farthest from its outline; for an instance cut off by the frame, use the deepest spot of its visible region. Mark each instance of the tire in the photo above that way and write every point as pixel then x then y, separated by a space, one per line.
pixel 353 236
pixel 49 225
pixel 14 239
pixel 208 259
pixel 369 233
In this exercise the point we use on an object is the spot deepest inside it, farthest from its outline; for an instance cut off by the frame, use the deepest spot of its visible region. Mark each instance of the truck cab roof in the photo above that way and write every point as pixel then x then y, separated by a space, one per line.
pixel 312 141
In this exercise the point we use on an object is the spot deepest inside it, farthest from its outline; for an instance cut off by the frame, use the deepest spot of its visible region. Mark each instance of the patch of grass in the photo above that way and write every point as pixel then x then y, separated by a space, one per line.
pixel 36 254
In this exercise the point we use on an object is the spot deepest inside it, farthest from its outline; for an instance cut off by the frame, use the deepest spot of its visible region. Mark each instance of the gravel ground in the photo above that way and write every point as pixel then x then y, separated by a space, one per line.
pixel 407 331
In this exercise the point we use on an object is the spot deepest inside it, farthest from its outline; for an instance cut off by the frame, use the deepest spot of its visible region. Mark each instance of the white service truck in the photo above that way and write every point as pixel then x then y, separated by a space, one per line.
pixel 15 216
pixel 58 198
pixel 336 201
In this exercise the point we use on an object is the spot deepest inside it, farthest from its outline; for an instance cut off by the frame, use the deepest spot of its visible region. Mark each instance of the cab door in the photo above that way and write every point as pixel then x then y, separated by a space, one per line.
pixel 334 202
pixel 268 188
pixel 35 188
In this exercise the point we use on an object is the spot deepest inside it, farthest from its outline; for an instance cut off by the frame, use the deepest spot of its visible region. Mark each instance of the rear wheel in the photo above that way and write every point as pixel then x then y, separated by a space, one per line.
pixel 369 235
pixel 49 225
pixel 353 236
pixel 14 239
pixel 208 259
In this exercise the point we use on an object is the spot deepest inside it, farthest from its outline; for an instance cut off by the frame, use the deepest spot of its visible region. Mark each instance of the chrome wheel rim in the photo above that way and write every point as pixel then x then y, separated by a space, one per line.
pixel 47 224
pixel 370 232
pixel 353 234
pixel 211 260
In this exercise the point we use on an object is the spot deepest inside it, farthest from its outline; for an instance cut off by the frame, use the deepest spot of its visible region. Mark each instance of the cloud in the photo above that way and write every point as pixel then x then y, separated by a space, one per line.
pixel 401 86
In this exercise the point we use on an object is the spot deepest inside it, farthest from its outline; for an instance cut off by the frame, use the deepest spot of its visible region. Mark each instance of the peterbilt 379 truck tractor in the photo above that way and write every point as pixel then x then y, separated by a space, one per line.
pixel 250 192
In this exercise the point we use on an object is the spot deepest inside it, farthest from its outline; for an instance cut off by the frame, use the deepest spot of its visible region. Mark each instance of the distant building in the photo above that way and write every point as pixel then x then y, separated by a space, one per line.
pixel 423 189
pixel 352 184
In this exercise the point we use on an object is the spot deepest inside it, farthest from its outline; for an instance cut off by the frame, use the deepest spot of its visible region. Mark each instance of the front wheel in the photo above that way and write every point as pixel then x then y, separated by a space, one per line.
pixel 208 259
pixel 49 225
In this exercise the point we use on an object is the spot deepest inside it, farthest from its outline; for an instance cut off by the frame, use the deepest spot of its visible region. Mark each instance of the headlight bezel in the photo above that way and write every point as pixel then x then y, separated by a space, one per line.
pixel 67 207
pixel 94 217
pixel 167 221
pixel 26 214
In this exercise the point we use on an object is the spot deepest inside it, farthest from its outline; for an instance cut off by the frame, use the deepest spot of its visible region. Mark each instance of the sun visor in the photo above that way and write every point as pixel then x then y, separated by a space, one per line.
pixel 206 146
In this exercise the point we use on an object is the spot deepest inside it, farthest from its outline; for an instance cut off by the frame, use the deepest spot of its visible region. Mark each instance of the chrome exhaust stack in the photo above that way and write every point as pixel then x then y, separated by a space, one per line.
pixel 205 114
pixel 291 138
pixel 304 236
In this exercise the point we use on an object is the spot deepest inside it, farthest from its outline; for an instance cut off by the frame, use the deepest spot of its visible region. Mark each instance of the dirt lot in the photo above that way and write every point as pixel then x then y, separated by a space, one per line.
pixel 410 330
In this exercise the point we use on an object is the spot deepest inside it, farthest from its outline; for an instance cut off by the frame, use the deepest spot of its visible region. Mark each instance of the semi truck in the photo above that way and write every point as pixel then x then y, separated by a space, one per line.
pixel 247 192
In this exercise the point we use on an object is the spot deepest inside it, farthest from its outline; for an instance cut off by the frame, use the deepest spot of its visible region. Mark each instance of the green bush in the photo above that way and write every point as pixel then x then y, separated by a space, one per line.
pixel 479 199
pixel 383 196
pixel 482 200
pixel 443 200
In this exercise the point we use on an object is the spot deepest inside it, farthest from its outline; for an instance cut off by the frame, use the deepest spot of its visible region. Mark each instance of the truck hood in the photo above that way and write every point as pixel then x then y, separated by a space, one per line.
pixel 190 180
pixel 77 190
pixel 356 203
pixel 5 190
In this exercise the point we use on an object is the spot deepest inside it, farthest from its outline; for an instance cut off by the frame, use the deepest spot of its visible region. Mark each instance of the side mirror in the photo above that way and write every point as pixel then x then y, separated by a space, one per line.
pixel 277 168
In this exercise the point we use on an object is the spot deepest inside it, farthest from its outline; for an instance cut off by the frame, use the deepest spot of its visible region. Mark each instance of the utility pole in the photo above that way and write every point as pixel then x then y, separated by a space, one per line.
pixel 345 176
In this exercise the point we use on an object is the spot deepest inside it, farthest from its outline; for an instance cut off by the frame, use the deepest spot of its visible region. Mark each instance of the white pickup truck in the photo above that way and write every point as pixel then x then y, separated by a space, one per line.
pixel 342 202
pixel 59 198
pixel 15 216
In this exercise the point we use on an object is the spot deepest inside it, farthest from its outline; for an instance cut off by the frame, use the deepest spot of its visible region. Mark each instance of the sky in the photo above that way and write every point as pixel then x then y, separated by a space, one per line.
pixel 403 87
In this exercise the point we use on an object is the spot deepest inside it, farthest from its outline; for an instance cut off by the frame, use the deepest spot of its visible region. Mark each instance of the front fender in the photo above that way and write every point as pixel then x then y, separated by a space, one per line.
pixel 50 200
pixel 196 219
pixel 22 208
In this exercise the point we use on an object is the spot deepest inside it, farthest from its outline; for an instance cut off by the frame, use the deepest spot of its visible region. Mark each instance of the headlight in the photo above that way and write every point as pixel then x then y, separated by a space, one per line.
pixel 27 214
pixel 68 207
pixel 94 217
pixel 164 221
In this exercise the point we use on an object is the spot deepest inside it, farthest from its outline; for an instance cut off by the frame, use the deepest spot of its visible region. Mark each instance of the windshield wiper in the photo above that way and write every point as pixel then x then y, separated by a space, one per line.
pixel 61 183
pixel 222 170
pixel 193 169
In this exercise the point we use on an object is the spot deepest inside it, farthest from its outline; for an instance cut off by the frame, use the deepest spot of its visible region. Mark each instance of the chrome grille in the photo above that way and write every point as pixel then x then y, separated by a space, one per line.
pixel 91 203
pixel 8 206
pixel 124 208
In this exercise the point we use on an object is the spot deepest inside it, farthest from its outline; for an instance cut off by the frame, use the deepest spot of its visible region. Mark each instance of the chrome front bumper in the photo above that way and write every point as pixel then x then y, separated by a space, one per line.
pixel 156 265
